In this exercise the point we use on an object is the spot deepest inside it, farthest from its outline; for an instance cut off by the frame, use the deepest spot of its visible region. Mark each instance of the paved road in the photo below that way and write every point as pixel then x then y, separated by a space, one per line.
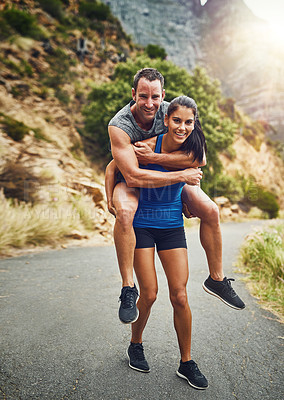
pixel 61 339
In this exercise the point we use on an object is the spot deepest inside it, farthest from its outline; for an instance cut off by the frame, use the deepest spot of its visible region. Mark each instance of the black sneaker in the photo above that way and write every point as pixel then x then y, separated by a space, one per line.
pixel 189 370
pixel 128 312
pixel 224 291
pixel 136 357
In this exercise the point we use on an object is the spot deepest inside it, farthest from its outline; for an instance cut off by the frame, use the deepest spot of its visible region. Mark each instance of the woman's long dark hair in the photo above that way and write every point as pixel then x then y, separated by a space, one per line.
pixel 195 143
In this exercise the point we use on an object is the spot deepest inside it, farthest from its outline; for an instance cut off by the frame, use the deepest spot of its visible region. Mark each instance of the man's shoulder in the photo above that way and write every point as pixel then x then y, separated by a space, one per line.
pixel 121 115
pixel 162 110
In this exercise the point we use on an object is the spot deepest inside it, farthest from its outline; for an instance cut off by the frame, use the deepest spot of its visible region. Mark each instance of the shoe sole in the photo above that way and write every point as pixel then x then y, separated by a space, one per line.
pixel 188 381
pixel 135 368
pixel 220 298
pixel 130 322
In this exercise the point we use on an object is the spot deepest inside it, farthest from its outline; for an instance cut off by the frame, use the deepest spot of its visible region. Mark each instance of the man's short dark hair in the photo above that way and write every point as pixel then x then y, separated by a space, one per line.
pixel 151 74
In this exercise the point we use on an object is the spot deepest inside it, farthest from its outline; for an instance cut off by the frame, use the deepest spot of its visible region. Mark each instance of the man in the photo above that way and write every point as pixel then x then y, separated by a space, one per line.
pixel 143 118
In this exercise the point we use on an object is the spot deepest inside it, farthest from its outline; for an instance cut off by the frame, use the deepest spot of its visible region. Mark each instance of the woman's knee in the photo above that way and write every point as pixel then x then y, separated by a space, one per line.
pixel 149 297
pixel 179 298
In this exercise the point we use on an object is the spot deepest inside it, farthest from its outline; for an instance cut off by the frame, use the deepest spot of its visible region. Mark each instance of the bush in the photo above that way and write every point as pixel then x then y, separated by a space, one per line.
pixel 154 51
pixel 24 23
pixel 267 202
pixel 62 96
pixel 94 10
pixel 256 195
pixel 5 29
pixel 19 182
pixel 52 7
pixel 15 129
pixel 228 186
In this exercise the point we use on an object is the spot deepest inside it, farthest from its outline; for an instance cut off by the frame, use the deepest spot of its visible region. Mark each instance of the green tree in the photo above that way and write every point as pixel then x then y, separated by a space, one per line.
pixel 155 51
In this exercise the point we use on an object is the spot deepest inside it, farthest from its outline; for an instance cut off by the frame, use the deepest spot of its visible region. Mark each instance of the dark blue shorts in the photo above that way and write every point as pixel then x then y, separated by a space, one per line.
pixel 164 239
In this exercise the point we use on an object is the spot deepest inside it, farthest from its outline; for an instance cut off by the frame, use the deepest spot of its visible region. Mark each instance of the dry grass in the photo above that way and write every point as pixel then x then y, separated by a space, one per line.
pixel 23 224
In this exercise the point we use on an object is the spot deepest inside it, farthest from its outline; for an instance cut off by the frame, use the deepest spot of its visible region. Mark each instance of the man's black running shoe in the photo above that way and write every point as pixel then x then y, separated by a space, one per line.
pixel 128 312
pixel 136 357
pixel 189 370
pixel 224 291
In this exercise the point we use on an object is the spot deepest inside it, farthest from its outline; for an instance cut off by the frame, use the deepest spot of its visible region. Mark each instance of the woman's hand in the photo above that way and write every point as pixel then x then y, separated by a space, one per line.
pixel 192 176
pixel 111 208
pixel 144 153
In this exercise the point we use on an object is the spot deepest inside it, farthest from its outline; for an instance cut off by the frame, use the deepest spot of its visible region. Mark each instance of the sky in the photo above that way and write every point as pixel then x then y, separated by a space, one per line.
pixel 269 10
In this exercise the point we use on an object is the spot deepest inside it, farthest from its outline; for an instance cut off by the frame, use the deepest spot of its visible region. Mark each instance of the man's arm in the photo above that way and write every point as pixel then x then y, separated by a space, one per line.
pixel 126 161
pixel 174 160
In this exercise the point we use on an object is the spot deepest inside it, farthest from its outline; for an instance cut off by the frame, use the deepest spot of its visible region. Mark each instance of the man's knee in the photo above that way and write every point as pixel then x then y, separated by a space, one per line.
pixel 210 213
pixel 125 216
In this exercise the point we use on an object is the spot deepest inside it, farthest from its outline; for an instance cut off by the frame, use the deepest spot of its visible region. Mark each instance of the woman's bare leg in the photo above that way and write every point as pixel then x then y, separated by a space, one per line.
pixel 144 266
pixel 175 265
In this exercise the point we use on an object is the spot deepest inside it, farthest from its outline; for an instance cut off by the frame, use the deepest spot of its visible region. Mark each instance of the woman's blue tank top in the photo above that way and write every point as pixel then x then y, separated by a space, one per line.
pixel 159 207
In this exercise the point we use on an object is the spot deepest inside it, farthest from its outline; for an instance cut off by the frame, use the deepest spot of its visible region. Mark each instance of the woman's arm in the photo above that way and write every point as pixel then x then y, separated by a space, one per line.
pixel 175 160
pixel 110 178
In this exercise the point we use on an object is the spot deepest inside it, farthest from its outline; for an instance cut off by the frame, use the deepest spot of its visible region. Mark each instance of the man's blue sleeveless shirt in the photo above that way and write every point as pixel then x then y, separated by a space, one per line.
pixel 159 207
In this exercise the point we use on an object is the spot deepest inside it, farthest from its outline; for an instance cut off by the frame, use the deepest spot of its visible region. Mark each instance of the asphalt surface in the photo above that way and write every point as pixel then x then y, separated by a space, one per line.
pixel 60 337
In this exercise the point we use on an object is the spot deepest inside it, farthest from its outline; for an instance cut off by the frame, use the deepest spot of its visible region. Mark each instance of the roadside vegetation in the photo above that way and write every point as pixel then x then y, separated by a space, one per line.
pixel 262 260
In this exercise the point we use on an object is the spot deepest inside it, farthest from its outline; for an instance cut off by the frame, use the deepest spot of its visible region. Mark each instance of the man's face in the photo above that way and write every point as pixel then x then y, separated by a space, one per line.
pixel 148 98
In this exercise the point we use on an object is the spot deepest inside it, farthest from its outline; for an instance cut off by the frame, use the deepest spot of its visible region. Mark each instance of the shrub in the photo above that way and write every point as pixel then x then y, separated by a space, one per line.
pixel 94 10
pixel 52 7
pixel 228 186
pixel 257 196
pixel 5 29
pixel 19 182
pixel 155 51
pixel 267 202
pixel 15 129
pixel 62 96
pixel 24 23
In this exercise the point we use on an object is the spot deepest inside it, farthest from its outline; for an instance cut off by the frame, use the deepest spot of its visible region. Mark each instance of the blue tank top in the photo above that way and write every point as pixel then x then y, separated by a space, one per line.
pixel 159 207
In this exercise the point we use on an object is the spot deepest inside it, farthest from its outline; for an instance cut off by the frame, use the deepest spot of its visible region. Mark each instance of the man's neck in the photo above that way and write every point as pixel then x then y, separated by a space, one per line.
pixel 145 125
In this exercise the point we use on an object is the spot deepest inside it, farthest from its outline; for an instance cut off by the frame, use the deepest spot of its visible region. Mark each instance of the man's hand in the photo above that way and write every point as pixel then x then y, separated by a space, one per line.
pixel 192 176
pixel 144 153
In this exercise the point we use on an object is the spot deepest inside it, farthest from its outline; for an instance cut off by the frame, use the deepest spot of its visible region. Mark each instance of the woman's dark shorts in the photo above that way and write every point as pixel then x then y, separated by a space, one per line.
pixel 165 239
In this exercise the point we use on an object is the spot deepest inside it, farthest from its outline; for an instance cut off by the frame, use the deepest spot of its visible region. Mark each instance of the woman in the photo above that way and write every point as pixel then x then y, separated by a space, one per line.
pixel 158 221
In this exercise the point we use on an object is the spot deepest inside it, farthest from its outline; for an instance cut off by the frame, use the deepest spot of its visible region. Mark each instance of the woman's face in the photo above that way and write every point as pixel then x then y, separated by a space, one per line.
pixel 180 123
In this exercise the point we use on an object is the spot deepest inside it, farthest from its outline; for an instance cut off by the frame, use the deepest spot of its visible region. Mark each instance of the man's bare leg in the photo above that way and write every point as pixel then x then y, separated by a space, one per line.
pixel 125 201
pixel 200 205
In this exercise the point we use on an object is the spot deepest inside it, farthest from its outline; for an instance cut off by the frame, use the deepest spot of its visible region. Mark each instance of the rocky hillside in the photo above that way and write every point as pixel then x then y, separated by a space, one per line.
pixel 224 36
pixel 44 84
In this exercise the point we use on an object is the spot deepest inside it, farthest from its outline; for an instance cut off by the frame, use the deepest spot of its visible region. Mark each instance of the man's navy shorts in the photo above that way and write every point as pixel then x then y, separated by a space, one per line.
pixel 165 239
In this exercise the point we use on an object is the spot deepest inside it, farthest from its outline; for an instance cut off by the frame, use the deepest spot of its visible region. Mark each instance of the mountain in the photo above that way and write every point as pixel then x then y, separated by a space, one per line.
pixel 226 38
